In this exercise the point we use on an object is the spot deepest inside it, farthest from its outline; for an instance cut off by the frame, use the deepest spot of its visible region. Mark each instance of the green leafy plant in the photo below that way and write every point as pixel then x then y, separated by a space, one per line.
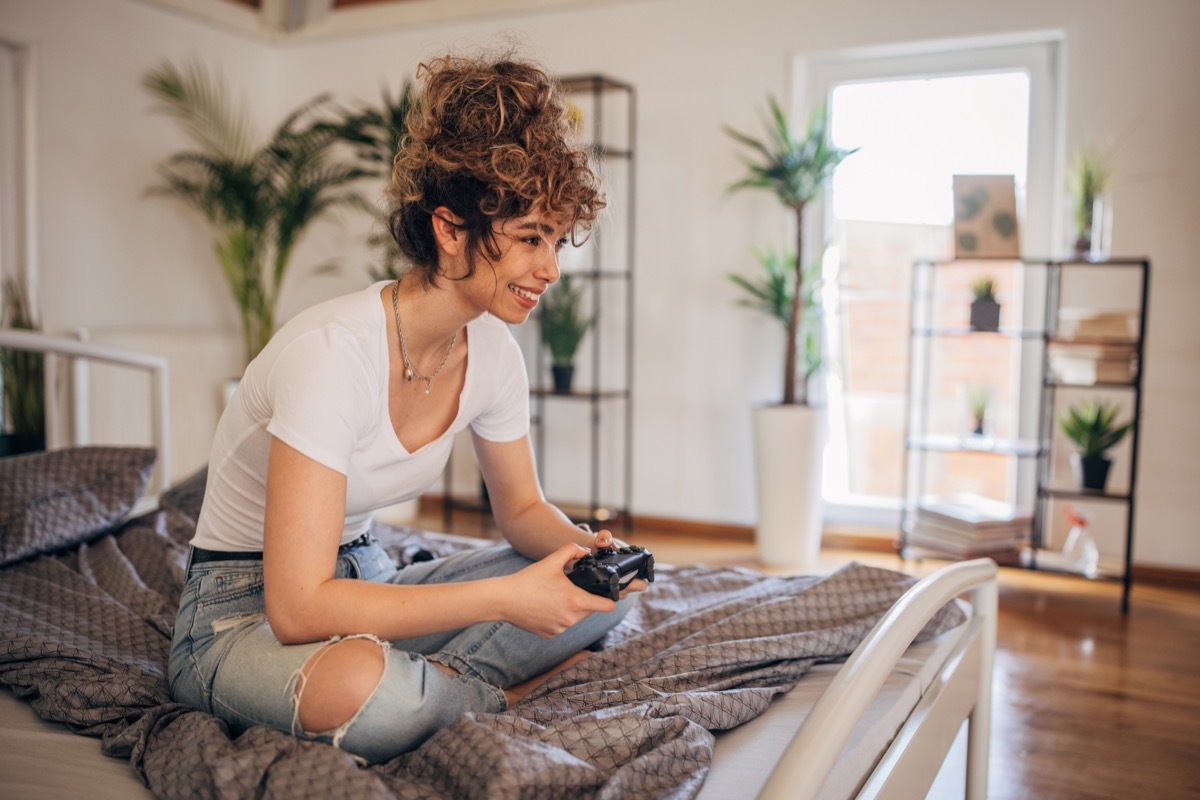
pixel 771 293
pixel 257 198
pixel 562 322
pixel 375 134
pixel 984 288
pixel 23 372
pixel 978 400
pixel 794 168
pixel 1092 427
pixel 1089 177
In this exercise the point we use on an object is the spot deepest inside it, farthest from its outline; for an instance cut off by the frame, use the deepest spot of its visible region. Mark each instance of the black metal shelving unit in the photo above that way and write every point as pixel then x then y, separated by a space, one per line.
pixel 608 109
pixel 1040 448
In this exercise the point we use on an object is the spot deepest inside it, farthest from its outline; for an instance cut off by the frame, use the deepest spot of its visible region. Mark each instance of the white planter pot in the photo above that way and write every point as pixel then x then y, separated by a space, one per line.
pixel 789 445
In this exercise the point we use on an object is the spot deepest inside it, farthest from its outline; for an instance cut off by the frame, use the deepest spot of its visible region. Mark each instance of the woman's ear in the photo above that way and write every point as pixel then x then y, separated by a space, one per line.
pixel 448 232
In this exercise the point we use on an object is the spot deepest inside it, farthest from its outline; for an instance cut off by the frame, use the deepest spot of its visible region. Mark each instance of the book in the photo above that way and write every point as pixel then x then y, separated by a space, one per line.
pixel 1094 323
pixel 972 511
pixel 968 525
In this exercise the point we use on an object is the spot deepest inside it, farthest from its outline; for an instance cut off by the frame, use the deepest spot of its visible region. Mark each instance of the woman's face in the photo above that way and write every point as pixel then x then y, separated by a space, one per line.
pixel 510 286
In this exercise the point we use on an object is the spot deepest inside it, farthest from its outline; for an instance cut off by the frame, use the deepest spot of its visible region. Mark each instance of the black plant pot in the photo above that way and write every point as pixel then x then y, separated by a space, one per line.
pixel 563 374
pixel 1091 472
pixel 15 444
pixel 985 314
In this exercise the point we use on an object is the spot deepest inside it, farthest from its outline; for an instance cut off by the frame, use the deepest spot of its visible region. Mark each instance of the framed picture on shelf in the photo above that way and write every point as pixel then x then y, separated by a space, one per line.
pixel 985 217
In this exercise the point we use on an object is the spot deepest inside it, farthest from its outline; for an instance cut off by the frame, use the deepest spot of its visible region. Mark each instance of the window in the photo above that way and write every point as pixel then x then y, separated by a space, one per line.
pixel 16 164
pixel 919 117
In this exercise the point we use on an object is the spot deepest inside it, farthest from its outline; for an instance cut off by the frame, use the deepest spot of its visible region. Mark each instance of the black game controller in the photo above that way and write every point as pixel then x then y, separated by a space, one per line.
pixel 612 569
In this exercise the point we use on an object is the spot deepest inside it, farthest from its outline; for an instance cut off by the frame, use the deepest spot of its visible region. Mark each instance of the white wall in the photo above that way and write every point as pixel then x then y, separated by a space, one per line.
pixel 110 257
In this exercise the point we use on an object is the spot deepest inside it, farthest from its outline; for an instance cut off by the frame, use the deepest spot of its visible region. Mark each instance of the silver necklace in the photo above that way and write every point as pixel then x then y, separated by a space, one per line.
pixel 410 372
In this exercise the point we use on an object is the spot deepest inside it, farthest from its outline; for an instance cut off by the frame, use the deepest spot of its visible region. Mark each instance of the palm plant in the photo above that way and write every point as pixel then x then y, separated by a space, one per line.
pixel 794 169
pixel 23 373
pixel 375 134
pixel 258 199
pixel 772 293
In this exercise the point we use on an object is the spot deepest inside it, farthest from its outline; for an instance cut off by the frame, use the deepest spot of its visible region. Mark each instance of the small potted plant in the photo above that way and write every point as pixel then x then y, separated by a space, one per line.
pixel 985 311
pixel 24 381
pixel 1088 185
pixel 1093 428
pixel 978 400
pixel 563 326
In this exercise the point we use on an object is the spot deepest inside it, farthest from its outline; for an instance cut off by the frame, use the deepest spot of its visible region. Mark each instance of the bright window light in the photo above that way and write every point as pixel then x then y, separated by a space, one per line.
pixel 915 134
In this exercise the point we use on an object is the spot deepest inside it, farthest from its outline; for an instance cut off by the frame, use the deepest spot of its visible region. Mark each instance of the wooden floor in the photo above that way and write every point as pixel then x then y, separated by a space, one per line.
pixel 1087 703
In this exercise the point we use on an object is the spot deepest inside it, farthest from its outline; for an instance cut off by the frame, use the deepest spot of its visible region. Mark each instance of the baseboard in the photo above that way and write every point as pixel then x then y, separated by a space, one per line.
pixel 836 537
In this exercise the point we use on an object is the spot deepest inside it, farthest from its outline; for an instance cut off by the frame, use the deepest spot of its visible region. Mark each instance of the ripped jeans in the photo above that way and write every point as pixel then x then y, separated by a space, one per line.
pixel 225 659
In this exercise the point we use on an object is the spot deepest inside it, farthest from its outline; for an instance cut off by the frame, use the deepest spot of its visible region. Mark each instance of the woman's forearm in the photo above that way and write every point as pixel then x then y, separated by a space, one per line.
pixel 539 529
pixel 340 607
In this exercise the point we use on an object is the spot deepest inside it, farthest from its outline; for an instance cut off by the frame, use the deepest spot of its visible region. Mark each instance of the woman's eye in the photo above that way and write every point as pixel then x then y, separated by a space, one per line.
pixel 561 243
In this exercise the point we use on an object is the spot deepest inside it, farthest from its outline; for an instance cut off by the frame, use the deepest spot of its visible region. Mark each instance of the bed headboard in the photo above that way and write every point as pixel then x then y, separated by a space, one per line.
pixel 70 426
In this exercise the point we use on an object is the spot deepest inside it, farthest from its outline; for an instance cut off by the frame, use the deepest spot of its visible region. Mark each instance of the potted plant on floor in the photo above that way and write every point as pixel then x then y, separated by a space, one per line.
pixel 1092 427
pixel 790 436
pixel 257 198
pixel 23 421
pixel 985 311
pixel 562 325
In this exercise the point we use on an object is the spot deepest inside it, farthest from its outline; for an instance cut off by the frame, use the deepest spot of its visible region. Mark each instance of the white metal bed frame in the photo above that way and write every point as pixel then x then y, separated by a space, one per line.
pixel 960 692
pixel 80 353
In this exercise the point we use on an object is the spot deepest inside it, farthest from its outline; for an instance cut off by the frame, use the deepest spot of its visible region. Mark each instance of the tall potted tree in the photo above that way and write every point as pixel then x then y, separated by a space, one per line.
pixel 790 436
pixel 257 198
pixel 375 134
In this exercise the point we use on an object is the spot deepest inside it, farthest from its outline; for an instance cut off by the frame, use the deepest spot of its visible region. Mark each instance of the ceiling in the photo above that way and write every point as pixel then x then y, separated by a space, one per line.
pixel 286 20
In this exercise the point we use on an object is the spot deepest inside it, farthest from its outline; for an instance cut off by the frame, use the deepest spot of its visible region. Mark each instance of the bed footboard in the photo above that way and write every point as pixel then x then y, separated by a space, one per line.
pixel 962 691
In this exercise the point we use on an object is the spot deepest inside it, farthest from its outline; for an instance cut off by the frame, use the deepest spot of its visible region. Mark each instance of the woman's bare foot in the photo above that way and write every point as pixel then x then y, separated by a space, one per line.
pixel 515 693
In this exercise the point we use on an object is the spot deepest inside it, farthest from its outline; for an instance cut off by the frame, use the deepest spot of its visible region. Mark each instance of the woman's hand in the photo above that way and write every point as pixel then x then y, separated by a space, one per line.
pixel 605 538
pixel 543 600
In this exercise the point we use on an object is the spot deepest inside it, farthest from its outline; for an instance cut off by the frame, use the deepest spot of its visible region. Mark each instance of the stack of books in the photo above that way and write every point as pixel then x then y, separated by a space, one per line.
pixel 1092 323
pixel 1086 364
pixel 970 526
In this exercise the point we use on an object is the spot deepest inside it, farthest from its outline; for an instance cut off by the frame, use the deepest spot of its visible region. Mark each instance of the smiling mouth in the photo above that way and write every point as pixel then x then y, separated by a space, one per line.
pixel 525 293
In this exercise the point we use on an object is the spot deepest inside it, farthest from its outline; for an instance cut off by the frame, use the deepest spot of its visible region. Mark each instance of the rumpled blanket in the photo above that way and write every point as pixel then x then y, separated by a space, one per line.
pixel 86 635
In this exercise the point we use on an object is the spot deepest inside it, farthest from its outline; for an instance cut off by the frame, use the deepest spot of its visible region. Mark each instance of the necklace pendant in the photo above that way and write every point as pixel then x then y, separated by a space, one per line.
pixel 427 388
pixel 408 374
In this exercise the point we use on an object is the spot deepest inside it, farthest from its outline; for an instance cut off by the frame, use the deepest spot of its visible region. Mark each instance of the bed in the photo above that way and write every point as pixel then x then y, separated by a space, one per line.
pixel 722 683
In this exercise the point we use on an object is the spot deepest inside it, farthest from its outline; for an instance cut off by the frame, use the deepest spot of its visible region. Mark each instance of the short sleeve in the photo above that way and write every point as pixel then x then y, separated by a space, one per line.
pixel 322 395
pixel 505 417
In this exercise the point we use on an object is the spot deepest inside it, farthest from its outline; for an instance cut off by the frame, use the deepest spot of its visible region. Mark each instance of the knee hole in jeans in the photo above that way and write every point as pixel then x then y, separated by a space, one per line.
pixel 333 686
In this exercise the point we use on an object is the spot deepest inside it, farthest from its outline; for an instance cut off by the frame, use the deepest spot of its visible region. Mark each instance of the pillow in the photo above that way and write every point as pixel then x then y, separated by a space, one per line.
pixel 60 498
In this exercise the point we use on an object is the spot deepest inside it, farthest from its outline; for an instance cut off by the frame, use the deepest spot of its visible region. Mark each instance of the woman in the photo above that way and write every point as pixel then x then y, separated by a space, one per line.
pixel 292 615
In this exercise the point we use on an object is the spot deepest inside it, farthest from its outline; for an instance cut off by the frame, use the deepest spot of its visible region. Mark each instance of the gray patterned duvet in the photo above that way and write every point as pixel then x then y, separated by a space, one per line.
pixel 86 633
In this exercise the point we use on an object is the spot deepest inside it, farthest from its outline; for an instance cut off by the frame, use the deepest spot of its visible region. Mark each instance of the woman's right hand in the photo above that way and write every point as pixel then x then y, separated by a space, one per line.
pixel 543 600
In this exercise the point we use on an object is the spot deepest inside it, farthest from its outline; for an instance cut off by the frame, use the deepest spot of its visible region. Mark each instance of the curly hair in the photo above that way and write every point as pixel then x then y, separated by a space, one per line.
pixel 489 140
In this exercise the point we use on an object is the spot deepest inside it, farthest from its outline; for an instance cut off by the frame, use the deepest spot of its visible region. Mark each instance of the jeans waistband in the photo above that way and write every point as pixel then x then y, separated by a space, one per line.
pixel 201 555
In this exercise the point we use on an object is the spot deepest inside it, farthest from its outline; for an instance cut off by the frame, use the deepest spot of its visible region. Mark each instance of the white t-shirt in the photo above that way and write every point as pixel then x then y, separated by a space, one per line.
pixel 321 386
